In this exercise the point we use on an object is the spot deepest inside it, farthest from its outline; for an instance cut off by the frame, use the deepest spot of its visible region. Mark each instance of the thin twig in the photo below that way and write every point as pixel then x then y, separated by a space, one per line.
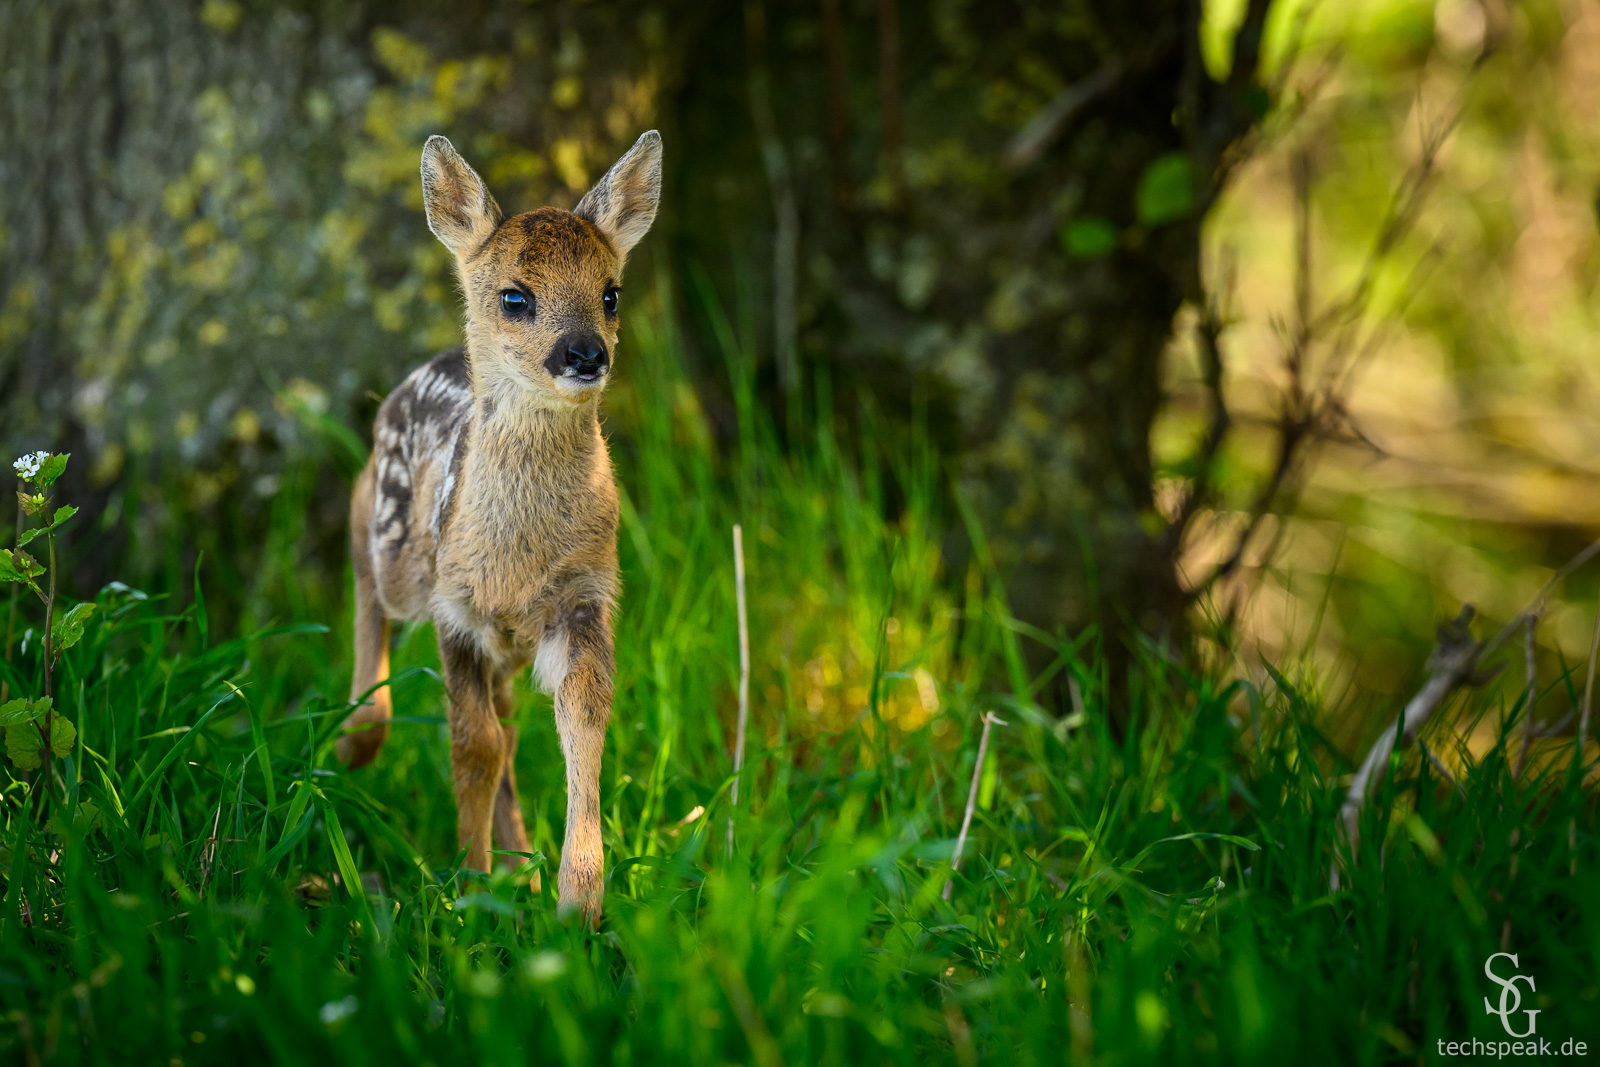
pixel 744 673
pixel 1313 409
pixel 1531 666
pixel 1439 765
pixel 1030 142
pixel 972 798
pixel 889 94
pixel 208 855
pixel 1588 693
pixel 785 205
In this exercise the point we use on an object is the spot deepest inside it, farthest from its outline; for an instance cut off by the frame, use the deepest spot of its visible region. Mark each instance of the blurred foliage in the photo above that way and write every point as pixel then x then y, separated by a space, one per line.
pixel 1466 472
pixel 217 244
pixel 215 263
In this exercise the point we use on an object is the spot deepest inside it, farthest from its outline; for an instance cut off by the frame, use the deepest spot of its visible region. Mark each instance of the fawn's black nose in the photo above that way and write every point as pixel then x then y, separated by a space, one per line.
pixel 580 355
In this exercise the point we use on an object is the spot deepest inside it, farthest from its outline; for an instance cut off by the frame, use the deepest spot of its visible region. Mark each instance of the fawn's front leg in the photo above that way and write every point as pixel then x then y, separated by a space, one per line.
pixel 583 707
pixel 477 745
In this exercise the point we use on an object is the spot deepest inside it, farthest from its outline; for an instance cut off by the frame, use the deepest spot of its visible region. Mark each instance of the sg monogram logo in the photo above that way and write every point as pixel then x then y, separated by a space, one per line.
pixel 1508 987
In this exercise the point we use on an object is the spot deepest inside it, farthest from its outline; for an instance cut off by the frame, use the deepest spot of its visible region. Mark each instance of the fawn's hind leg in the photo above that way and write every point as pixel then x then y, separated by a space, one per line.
pixel 371 640
pixel 477 743
pixel 509 834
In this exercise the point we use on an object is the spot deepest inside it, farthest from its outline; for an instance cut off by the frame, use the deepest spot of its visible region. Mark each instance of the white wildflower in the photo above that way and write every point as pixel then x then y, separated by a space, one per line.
pixel 28 466
pixel 335 1010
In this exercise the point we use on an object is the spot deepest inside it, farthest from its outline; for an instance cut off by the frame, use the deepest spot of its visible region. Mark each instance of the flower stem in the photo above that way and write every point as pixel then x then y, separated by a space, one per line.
pixel 11 610
pixel 49 647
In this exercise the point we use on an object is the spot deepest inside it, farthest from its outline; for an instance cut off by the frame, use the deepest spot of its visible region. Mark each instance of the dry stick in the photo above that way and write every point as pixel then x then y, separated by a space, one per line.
pixel 972 798
pixel 1454 662
pixel 744 674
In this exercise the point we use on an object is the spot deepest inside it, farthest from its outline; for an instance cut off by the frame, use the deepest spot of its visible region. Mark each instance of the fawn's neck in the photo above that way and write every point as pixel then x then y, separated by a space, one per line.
pixel 518 448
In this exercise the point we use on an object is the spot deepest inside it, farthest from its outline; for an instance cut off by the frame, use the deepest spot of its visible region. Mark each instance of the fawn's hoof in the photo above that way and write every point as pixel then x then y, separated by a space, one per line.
pixel 361 747
pixel 580 893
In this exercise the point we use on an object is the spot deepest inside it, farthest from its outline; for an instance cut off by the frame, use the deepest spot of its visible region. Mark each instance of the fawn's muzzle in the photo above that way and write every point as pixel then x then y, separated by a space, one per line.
pixel 581 355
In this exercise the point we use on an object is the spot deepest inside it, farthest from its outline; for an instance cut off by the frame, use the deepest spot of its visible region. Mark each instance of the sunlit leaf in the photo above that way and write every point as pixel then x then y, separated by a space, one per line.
pixel 1089 237
pixel 1166 190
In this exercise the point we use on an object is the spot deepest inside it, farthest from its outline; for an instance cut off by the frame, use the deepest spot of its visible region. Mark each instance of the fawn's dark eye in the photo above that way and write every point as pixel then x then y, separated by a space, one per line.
pixel 514 303
pixel 610 299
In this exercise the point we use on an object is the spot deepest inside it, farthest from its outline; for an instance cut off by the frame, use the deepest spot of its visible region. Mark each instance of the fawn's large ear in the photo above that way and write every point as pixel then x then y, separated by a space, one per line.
pixel 623 203
pixel 461 213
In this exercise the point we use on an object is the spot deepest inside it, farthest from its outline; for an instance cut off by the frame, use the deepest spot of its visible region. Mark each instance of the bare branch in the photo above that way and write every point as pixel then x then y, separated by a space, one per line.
pixel 1313 411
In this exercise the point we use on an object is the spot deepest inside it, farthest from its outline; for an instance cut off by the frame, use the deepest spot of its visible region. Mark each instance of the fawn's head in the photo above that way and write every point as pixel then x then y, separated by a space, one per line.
pixel 541 288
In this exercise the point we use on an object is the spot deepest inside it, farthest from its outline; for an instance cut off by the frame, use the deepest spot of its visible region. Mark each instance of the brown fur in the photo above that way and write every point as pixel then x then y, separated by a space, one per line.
pixel 489 506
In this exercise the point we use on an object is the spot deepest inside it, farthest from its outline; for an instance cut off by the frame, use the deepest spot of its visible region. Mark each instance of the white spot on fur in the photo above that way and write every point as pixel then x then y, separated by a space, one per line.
pixel 551 661
pixel 448 483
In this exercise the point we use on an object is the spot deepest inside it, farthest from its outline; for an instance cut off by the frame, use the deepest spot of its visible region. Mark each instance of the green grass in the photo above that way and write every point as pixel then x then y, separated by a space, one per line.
pixel 1162 900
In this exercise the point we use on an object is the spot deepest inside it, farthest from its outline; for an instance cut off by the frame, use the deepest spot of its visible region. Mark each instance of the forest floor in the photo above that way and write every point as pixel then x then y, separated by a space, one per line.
pixel 233 895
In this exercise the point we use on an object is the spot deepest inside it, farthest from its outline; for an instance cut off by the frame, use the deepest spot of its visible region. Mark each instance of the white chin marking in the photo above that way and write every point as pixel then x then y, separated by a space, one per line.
pixel 570 385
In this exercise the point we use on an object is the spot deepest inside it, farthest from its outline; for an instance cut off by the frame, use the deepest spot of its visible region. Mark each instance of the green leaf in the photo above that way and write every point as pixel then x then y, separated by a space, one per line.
pixel 9 572
pixel 69 626
pixel 1166 190
pixel 86 820
pixel 22 710
pixel 1089 237
pixel 63 513
pixel 52 469
pixel 23 744
pixel 29 535
pixel 63 735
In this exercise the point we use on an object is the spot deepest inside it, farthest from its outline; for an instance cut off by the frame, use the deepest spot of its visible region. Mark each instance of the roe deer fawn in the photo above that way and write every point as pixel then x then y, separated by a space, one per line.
pixel 488 505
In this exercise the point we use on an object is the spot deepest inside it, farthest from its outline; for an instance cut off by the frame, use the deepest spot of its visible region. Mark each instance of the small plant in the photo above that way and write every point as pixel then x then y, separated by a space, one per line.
pixel 34 730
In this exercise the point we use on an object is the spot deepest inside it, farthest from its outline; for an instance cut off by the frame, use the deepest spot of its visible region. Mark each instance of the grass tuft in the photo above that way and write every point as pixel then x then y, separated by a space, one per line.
pixel 233 895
